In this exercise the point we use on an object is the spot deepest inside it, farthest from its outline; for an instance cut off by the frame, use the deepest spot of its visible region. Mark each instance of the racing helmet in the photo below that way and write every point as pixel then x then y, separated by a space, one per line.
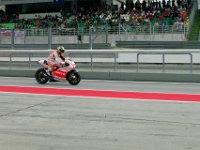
pixel 61 49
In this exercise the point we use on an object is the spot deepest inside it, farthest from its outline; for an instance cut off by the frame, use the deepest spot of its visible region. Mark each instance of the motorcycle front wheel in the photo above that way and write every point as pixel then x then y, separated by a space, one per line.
pixel 73 78
pixel 41 77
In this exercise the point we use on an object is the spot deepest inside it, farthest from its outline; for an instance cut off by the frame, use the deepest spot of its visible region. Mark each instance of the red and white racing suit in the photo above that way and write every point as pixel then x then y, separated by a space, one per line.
pixel 55 59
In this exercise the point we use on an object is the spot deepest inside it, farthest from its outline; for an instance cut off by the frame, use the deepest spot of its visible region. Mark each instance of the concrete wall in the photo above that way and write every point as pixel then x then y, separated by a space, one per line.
pixel 123 76
pixel 144 37
pixel 99 39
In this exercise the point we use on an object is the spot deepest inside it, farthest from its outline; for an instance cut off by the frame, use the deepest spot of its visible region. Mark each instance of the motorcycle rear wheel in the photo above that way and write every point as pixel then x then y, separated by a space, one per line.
pixel 41 77
pixel 73 78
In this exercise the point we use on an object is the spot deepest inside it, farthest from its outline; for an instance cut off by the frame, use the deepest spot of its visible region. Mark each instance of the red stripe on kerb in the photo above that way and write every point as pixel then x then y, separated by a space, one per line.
pixel 101 93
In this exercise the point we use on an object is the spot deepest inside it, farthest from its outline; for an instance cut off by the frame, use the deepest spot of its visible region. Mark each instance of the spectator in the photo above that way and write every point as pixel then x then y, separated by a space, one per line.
pixel 136 14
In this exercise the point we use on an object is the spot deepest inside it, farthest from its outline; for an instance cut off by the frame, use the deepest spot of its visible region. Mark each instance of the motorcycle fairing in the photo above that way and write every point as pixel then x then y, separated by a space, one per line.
pixel 59 73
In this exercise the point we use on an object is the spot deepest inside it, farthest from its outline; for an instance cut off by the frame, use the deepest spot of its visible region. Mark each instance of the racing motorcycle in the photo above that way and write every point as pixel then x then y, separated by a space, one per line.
pixel 66 72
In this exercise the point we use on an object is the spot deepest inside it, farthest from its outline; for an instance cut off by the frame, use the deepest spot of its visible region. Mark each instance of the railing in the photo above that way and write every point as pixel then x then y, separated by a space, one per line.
pixel 163 54
pixel 102 34
pixel 32 55
pixel 111 58
pixel 117 29
pixel 162 28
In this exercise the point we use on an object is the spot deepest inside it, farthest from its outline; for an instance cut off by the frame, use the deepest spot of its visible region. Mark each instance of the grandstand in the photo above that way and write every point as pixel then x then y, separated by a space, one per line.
pixel 86 21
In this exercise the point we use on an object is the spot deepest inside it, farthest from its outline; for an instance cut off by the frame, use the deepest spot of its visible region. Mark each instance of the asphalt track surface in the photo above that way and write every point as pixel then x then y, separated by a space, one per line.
pixel 106 120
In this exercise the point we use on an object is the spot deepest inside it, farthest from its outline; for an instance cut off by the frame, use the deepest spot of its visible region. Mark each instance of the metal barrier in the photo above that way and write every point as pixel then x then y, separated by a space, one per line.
pixel 72 54
pixel 114 57
pixel 163 57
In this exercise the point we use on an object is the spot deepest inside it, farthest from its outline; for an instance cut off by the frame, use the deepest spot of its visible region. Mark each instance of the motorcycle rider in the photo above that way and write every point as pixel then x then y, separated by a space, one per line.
pixel 56 59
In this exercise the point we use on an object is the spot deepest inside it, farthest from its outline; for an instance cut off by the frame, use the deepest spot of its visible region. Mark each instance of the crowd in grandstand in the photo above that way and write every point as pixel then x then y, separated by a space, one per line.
pixel 146 13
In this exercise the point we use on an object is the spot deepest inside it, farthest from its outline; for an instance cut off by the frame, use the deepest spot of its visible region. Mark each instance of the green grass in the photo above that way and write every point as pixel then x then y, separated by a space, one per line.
pixel 194 33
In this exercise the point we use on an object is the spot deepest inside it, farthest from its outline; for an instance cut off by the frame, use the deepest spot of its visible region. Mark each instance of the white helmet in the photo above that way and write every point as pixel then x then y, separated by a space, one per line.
pixel 61 49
